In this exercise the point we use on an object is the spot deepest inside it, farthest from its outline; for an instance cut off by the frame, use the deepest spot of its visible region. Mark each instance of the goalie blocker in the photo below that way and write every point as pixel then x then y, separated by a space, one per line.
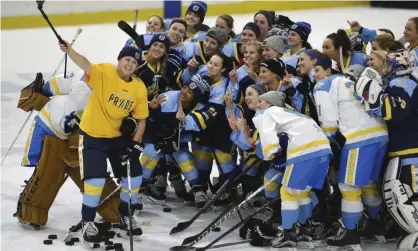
pixel 401 198
pixel 42 188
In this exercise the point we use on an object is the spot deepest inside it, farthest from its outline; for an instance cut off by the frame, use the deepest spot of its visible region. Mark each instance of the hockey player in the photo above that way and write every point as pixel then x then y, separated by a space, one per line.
pixel 308 155
pixel 264 20
pixel 211 128
pixel 411 36
pixel 297 38
pixel 387 43
pixel 389 90
pixel 246 75
pixel 225 22
pixel 361 157
pixel 165 133
pixel 235 48
pixel 154 23
pixel 195 15
pixel 52 146
pixel 337 46
pixel 273 47
pixel 116 93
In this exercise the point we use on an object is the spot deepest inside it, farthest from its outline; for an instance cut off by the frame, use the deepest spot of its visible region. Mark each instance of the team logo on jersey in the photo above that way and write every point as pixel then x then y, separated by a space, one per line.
pixel 195 8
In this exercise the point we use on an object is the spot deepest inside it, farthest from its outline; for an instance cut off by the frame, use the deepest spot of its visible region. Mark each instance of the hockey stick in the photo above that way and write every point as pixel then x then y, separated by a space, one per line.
pixel 229 244
pixel 30 113
pixel 135 19
pixel 139 39
pixel 222 173
pixel 128 172
pixel 226 214
pixel 40 8
pixel 232 229
pixel 183 225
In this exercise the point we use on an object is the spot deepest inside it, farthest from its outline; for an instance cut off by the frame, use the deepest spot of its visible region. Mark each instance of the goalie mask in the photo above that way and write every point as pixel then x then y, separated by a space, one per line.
pixel 399 64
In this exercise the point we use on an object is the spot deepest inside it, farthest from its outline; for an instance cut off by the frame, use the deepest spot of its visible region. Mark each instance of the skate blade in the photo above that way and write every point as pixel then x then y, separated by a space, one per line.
pixel 345 248
pixel 125 236
pixel 380 239
pixel 28 226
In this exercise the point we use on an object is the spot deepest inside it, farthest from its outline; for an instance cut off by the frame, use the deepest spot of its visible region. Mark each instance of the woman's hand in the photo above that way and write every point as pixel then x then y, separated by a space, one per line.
pixel 241 123
pixel 65 47
pixel 157 100
pixel 233 75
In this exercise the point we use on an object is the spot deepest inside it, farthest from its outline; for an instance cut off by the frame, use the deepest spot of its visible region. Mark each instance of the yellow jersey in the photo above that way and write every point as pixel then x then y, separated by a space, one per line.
pixel 112 99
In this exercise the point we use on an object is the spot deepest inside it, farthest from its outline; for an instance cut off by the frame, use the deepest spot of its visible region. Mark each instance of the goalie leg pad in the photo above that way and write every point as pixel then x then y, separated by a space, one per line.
pixel 30 96
pixel 400 199
pixel 109 210
pixel 42 188
pixel 71 156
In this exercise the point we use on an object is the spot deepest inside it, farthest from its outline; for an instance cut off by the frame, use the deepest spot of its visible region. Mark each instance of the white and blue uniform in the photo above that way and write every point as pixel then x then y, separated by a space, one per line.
pixel 69 98
pixel 362 155
pixel 308 156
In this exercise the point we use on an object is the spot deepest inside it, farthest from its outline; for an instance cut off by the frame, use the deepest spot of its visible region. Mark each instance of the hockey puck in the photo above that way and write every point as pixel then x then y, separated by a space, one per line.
pixel 217 229
pixel 107 243
pixel 52 237
pixel 47 242
pixel 166 210
pixel 111 232
pixel 69 243
pixel 75 239
pixel 96 245
pixel 119 235
pixel 110 247
pixel 117 245
pixel 116 225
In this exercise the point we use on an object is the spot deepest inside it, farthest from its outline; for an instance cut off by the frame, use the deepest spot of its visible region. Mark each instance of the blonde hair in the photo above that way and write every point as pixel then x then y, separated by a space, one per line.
pixel 388 43
pixel 382 55
pixel 259 49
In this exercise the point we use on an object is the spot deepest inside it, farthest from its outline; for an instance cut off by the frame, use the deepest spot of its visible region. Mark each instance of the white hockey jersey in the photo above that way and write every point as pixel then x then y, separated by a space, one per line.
pixel 73 98
pixel 338 110
pixel 306 138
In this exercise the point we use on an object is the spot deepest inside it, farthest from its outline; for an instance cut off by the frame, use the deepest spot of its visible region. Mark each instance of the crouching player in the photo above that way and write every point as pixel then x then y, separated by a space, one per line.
pixel 52 147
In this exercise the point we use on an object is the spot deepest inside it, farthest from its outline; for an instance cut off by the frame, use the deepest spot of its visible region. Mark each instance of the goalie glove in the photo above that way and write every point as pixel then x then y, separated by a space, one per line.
pixel 368 88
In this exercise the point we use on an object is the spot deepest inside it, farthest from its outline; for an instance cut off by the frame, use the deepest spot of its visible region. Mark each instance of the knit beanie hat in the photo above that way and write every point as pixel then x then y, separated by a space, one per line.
pixel 257 88
pixel 162 38
pixel 130 51
pixel 276 66
pixel 274 98
pixel 291 64
pixel 268 14
pixel 303 29
pixel 277 43
pixel 254 27
pixel 200 87
pixel 199 8
pixel 217 34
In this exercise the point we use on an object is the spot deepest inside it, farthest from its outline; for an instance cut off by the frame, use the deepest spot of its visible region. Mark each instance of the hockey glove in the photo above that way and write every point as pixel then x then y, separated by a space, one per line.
pixel 72 122
pixel 263 235
pixel 128 127
pixel 133 151
pixel 283 21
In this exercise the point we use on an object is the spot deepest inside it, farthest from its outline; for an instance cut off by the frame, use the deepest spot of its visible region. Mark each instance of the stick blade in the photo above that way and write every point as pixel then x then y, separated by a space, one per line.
pixel 180 227
pixel 182 248
pixel 190 239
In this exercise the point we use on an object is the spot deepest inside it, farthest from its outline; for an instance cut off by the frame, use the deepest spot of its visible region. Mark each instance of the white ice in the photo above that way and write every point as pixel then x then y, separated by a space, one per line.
pixel 27 51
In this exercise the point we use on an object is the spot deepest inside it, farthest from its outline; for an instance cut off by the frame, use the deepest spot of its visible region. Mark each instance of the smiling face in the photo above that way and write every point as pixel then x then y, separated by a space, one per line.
pixel 215 67
pixel 266 76
pixel 156 51
pixel 153 24
pixel 186 95
pixel 176 32
pixel 247 36
pixel 269 53
pixel 221 24
pixel 210 46
pixel 320 73
pixel 251 98
pixel 293 39
pixel 411 32
pixel 192 19
pixel 375 62
pixel 305 64
pixel 127 66
pixel 251 55
pixel 262 23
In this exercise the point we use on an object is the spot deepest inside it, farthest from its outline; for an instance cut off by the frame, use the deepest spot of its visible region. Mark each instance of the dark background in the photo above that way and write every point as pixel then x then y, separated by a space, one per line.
pixel 395 4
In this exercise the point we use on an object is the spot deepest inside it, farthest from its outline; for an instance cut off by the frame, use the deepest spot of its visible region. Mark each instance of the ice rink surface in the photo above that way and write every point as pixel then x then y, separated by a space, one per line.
pixel 25 52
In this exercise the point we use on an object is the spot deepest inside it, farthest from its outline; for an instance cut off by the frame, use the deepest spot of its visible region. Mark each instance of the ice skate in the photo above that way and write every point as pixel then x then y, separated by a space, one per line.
pixel 371 231
pixel 153 195
pixel 161 183
pixel 286 240
pixel 345 240
pixel 200 196
pixel 91 235
pixel 124 226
